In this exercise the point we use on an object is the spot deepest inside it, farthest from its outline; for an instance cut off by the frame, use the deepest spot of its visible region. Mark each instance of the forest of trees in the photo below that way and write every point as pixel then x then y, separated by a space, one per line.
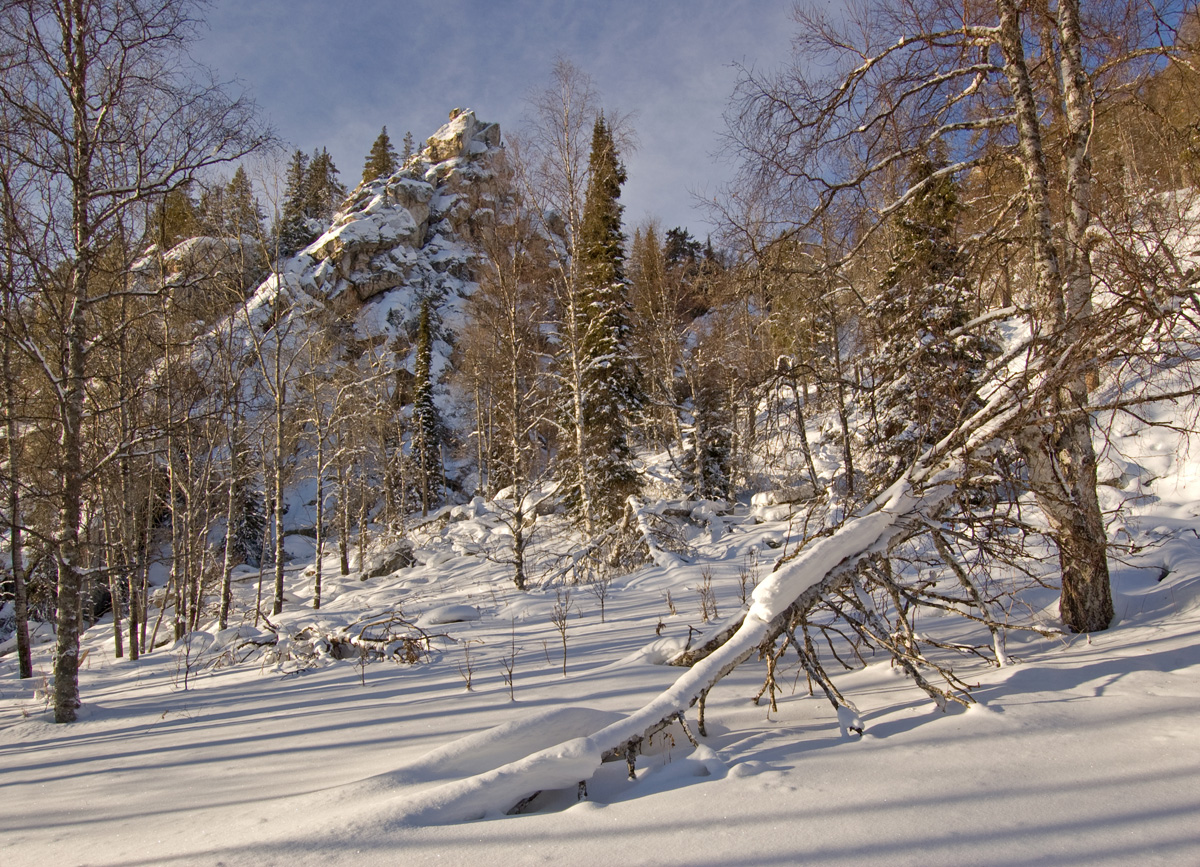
pixel 919 177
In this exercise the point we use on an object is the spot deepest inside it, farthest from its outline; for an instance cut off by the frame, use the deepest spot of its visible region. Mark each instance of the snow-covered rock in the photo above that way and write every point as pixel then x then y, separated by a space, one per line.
pixel 463 136
pixel 784 496
pixel 400 234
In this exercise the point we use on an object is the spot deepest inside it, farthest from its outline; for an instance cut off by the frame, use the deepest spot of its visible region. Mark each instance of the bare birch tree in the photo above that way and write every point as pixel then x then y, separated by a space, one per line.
pixel 507 351
pixel 101 112
pixel 998 87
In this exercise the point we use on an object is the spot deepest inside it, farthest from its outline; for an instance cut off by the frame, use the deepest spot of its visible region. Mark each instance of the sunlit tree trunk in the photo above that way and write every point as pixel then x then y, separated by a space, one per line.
pixel 1059 451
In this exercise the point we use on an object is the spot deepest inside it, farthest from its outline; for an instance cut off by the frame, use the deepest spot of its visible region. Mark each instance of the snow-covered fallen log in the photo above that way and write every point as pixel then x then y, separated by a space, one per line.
pixel 820 566
pixel 565 765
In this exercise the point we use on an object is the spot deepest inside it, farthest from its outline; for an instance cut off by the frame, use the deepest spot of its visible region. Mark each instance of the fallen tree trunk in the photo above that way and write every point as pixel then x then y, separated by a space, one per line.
pixel 794 587
pixel 798 584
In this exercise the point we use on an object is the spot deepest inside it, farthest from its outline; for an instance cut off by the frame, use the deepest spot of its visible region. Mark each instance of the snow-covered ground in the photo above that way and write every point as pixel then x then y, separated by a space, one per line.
pixel 1085 751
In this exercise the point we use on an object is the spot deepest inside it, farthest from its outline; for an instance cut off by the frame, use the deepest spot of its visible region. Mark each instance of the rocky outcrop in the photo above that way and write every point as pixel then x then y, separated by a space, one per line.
pixel 402 230
pixel 203 273
pixel 463 136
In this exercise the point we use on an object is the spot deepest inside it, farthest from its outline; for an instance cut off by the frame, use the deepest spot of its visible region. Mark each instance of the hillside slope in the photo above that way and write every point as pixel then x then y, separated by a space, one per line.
pixel 215 750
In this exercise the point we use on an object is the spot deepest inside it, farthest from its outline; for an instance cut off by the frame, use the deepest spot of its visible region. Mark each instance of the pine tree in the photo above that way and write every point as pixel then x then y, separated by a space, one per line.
pixel 610 388
pixel 681 250
pixel 427 426
pixel 382 161
pixel 409 148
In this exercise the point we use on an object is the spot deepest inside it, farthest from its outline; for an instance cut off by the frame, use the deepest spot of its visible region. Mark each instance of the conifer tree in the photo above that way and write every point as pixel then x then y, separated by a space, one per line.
pixel 294 232
pixel 409 148
pixel 657 334
pixel 312 193
pixel 242 213
pixel 176 218
pixel 427 439
pixel 609 384
pixel 211 209
pixel 229 209
pixel 324 192
pixel 382 161
pixel 711 455
pixel 924 376
pixel 681 250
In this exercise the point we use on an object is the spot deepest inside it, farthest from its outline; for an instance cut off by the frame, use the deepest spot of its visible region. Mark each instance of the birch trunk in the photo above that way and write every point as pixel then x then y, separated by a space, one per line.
pixel 1059 451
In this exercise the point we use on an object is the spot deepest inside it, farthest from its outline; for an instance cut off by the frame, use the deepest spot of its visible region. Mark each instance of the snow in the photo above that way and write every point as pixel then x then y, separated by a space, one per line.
pixel 1084 751
pixel 452 708
pixel 450 614
pixel 383 229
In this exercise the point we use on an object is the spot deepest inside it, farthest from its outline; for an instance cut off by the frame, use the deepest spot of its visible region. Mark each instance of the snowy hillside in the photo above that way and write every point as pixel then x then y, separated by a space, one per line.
pixel 456 517
pixel 395 243
pixel 418 706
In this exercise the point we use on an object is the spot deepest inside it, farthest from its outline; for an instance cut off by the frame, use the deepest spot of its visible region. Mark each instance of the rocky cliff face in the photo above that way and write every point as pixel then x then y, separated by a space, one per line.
pixel 399 240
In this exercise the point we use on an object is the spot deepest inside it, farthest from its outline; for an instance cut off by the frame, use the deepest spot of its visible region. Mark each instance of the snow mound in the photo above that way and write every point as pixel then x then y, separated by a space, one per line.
pixel 450 614
pixel 499 768
pixel 489 749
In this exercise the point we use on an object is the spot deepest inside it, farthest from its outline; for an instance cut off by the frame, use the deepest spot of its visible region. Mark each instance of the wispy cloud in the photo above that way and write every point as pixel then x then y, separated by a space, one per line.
pixel 332 76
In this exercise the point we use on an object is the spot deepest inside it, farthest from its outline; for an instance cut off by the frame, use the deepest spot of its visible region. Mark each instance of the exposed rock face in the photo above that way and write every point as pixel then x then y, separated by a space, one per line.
pixel 462 137
pixel 402 231
pixel 397 244
pixel 203 272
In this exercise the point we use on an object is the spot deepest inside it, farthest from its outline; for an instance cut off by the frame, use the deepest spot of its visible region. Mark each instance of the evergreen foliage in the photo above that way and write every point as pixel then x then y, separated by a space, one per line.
pixel 611 391
pixel 243 214
pixel 294 232
pixel 427 426
pixel 312 194
pixel 230 209
pixel 211 210
pixel 688 264
pixel 324 192
pixel 250 525
pixel 602 243
pixel 176 218
pixel 382 161
pixel 681 249
pixel 924 375
pixel 711 470
pixel 409 148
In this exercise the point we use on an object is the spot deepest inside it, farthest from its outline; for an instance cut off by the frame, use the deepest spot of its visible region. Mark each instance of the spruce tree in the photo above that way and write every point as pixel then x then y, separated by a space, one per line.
pixel 382 161
pixel 427 439
pixel 409 148
pixel 312 193
pixel 211 210
pixel 175 218
pixel 924 375
pixel 250 524
pixel 711 455
pixel 294 232
pixel 324 192
pixel 610 387
pixel 242 213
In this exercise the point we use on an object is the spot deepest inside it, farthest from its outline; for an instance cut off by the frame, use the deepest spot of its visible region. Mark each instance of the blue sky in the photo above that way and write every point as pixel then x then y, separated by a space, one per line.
pixel 330 75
